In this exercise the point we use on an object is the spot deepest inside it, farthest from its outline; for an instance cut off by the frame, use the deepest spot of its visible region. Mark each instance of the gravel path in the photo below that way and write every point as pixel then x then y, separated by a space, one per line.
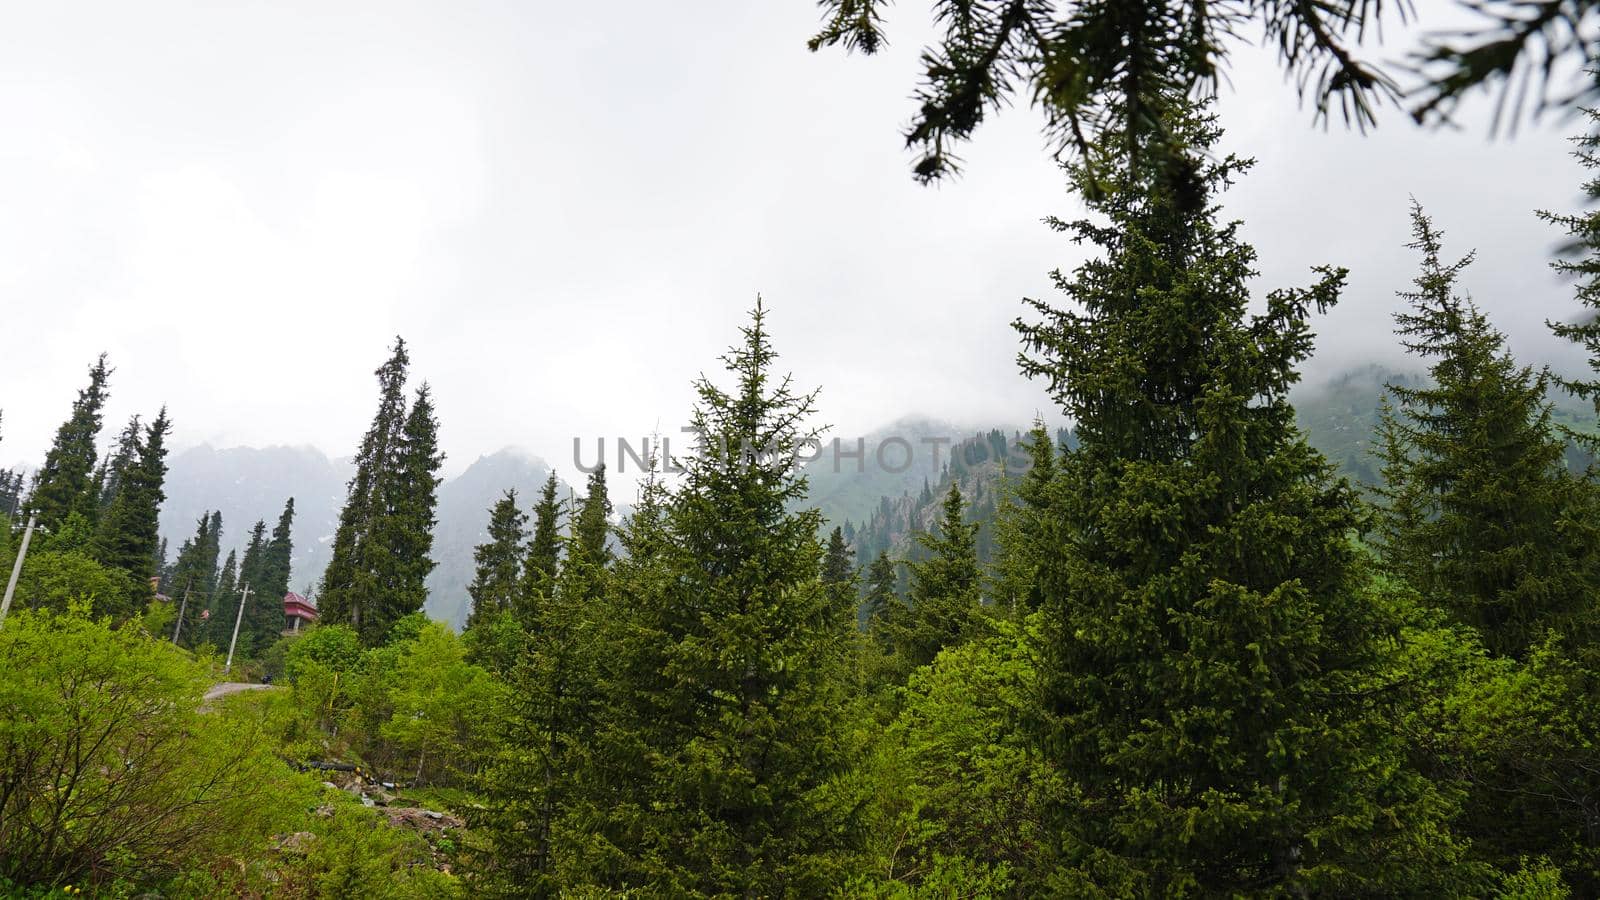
pixel 219 691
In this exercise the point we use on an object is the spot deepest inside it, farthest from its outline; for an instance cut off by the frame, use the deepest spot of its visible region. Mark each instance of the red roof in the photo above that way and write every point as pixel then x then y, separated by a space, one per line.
pixel 298 606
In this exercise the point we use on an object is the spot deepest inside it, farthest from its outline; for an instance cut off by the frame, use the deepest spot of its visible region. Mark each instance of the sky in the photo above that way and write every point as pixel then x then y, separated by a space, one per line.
pixel 568 210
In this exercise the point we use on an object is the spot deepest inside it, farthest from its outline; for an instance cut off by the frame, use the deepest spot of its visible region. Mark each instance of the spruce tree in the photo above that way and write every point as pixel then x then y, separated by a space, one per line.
pixel 941 609
pixel 62 485
pixel 543 558
pixel 218 627
pixel 194 576
pixel 592 524
pixel 1206 640
pixel 724 679
pixel 380 553
pixel 540 789
pixel 497 580
pixel 1480 513
pixel 881 582
pixel 129 533
pixel 263 613
pixel 1022 526
pixel 837 567
pixel 544 548
pixel 1584 266
pixel 413 502
pixel 278 560
pixel 109 480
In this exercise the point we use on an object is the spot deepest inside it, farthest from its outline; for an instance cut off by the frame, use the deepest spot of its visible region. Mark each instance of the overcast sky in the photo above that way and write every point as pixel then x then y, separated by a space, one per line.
pixel 567 211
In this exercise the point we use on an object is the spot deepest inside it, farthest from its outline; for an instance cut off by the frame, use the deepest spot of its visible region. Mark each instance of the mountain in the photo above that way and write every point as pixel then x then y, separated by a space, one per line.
pixel 892 461
pixel 882 510
pixel 250 483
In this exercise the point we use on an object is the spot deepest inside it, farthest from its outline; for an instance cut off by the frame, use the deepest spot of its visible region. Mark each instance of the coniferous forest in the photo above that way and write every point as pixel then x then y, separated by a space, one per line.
pixel 1170 650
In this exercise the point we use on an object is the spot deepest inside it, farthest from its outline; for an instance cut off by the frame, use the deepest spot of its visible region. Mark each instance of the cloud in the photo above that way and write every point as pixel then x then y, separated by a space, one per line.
pixel 567 212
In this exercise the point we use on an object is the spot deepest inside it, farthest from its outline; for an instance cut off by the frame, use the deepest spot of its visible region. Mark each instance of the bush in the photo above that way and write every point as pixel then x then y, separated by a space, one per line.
pixel 107 772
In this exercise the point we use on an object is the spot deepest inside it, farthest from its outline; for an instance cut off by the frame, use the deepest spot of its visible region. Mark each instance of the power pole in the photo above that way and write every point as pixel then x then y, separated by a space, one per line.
pixel 237 619
pixel 181 608
pixel 16 571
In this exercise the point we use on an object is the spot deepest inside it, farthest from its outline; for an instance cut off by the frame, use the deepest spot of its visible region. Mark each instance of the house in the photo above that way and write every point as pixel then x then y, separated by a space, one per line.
pixel 297 609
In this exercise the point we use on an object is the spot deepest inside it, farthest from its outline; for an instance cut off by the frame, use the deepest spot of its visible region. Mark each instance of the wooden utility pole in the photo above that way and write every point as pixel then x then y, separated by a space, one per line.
pixel 181 608
pixel 243 596
pixel 16 571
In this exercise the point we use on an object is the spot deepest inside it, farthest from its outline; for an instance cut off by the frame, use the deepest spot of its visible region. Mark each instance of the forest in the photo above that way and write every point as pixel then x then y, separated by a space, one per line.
pixel 1172 650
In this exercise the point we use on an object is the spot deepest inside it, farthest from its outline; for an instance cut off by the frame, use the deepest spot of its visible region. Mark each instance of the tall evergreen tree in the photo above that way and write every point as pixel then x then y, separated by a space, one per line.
pixel 1022 526
pixel 591 526
pixel 163 570
pixel 218 627
pixel 538 789
pixel 941 609
pixel 414 499
pixel 263 612
pixel 1481 514
pixel 724 680
pixel 1584 265
pixel 194 576
pixel 381 549
pixel 62 485
pixel 129 531
pixel 881 582
pixel 109 480
pixel 497 581
pixel 543 558
pixel 838 575
pixel 1205 634
pixel 278 559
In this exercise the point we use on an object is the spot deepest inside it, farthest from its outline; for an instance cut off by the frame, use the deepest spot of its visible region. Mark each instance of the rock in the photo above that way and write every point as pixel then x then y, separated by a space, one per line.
pixel 293 843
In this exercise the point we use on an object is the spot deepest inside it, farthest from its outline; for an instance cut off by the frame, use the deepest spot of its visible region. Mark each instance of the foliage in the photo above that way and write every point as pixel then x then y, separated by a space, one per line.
pixel 941 609
pixel 955 778
pixel 721 676
pixel 1207 643
pixel 1480 513
pixel 381 549
pixel 495 587
pixel 62 485
pixel 54 580
pixel 105 770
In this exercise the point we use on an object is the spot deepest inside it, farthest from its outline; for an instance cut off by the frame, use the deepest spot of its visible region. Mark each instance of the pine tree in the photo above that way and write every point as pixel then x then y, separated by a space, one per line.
pixel 1584 229
pixel 412 504
pixel 109 479
pixel 278 559
pixel 723 678
pixel 62 485
pixel 129 532
pixel 941 609
pixel 1022 526
pixel 838 576
pixel 163 570
pixel 380 552
pixel 592 524
pixel 1206 636
pixel 543 558
pixel 263 613
pixel 218 627
pixel 1481 515
pixel 537 789
pixel 881 582
pixel 194 576
pixel 497 582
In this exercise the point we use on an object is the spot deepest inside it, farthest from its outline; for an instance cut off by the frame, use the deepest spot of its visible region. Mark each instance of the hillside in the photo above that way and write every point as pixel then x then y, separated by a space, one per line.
pixel 248 483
